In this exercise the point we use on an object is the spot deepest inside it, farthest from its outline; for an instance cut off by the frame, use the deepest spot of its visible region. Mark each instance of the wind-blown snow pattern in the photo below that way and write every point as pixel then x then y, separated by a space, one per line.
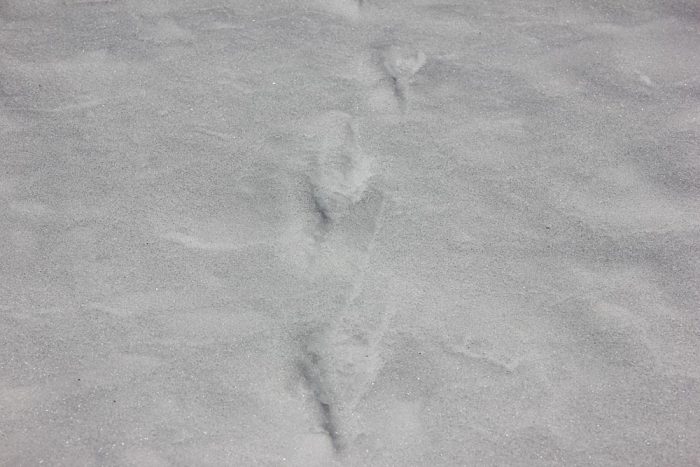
pixel 350 233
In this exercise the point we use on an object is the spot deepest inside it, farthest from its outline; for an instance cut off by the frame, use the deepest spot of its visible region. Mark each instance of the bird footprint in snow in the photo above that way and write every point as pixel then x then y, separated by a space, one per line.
pixel 401 64
pixel 341 174
pixel 339 367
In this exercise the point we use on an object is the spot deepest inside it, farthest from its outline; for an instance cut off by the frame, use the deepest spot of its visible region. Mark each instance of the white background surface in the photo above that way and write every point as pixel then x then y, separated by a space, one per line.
pixel 323 232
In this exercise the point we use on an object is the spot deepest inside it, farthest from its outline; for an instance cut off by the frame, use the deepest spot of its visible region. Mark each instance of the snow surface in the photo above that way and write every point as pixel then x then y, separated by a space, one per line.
pixel 335 232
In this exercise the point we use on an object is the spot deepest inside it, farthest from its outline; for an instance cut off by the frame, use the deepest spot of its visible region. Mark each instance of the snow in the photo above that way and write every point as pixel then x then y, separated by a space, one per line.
pixel 339 232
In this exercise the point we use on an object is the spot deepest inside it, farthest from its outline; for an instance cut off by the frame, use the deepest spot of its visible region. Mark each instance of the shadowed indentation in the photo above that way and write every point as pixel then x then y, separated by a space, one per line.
pixel 311 372
pixel 400 65
pixel 341 174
